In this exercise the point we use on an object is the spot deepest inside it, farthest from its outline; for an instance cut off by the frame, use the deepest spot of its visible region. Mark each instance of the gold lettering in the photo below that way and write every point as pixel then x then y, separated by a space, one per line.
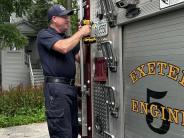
pixel 182 79
pixel 158 112
pixel 163 113
pixel 154 110
pixel 151 68
pixel 182 122
pixel 133 76
pixel 173 115
pixel 161 66
pixel 173 72
pixel 135 106
pixel 144 108
pixel 141 71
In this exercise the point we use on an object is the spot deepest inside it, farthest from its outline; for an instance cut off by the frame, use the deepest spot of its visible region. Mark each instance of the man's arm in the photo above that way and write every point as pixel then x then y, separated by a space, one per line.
pixel 65 45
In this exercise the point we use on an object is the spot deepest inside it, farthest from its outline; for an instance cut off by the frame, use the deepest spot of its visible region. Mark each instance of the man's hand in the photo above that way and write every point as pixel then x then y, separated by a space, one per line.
pixel 65 45
pixel 85 30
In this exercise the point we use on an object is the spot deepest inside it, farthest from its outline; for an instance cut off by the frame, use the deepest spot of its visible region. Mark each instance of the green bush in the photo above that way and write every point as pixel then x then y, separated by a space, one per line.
pixel 21 106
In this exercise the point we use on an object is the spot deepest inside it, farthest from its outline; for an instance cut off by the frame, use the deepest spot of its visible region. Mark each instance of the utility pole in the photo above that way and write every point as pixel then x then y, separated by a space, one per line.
pixel 69 4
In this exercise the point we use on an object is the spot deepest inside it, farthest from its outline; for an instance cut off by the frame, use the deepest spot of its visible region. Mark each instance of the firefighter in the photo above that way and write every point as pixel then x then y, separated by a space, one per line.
pixel 57 55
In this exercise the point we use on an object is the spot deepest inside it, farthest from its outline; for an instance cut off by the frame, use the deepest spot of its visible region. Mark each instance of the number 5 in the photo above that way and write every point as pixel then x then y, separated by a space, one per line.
pixel 149 118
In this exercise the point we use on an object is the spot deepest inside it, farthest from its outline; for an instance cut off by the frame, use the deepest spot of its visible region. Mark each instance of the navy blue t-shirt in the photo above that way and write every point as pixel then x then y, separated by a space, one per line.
pixel 54 63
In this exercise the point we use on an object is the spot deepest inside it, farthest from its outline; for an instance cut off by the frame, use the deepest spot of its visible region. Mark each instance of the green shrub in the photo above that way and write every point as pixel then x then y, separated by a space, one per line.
pixel 21 106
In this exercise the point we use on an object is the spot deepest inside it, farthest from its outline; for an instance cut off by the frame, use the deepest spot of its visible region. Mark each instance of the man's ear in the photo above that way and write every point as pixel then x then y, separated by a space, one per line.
pixel 53 19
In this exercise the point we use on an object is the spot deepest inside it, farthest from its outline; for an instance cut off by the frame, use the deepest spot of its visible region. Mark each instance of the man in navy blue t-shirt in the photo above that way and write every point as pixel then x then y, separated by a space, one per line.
pixel 57 55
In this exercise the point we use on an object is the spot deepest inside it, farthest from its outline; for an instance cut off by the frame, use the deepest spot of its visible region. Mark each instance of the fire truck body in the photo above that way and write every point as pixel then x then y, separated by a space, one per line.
pixel 137 69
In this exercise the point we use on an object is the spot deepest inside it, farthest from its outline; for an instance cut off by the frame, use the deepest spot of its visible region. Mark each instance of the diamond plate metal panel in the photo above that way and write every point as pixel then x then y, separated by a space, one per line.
pixel 101 122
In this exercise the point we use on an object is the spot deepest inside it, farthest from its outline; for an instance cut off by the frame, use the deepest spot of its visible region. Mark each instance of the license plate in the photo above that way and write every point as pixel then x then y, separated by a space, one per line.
pixel 101 29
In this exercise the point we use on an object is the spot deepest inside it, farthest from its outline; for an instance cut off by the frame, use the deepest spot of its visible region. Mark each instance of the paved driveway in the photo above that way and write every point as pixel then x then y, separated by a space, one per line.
pixel 36 130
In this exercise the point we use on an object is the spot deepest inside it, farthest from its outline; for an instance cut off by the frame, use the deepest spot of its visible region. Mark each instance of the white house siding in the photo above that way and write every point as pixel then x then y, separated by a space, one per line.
pixel 14 70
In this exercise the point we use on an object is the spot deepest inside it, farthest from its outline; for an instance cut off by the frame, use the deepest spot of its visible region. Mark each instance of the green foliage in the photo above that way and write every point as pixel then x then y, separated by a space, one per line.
pixel 37 13
pixel 7 7
pixel 21 106
pixel 74 18
pixel 7 121
pixel 74 23
pixel 10 35
pixel 62 2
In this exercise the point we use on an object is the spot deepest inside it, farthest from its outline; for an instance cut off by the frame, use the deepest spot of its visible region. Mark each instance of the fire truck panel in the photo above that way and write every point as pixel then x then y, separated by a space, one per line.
pixel 140 93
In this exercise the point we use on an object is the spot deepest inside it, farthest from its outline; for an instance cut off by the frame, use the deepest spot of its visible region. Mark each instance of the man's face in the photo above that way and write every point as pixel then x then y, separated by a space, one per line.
pixel 62 23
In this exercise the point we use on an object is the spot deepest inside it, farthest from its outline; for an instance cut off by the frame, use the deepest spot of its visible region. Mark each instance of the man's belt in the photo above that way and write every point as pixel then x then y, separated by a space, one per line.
pixel 63 80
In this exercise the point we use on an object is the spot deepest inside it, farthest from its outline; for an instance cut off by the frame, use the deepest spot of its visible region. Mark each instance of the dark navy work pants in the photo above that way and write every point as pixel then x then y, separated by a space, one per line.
pixel 61 110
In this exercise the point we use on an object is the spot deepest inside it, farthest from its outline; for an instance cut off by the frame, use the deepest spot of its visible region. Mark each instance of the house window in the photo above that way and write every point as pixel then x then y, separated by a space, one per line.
pixel 13 48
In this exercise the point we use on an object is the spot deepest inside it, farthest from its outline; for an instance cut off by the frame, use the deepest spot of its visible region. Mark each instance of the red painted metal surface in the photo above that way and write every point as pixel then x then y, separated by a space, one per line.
pixel 87 75
pixel 100 70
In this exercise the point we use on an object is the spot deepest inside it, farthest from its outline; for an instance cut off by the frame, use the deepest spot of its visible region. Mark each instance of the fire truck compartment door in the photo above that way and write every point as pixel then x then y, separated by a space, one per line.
pixel 154 76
